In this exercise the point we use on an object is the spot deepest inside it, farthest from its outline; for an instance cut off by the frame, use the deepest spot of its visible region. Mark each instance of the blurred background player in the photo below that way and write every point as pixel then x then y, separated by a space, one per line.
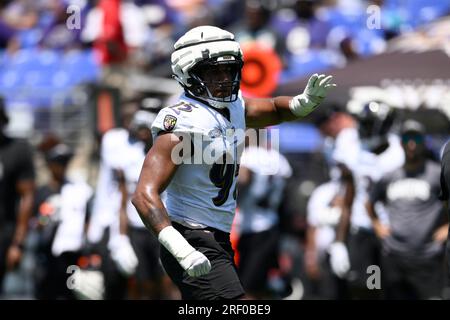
pixel 149 279
pixel 135 272
pixel 63 208
pixel 16 196
pixel 324 210
pixel 263 173
pixel 414 239
pixel 118 258
pixel 365 150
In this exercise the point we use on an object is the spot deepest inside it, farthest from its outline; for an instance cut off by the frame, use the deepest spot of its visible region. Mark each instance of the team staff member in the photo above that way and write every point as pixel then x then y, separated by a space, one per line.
pixel 16 196
pixel 413 241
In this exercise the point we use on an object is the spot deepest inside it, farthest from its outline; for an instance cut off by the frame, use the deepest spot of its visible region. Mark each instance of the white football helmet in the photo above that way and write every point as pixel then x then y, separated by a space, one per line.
pixel 203 49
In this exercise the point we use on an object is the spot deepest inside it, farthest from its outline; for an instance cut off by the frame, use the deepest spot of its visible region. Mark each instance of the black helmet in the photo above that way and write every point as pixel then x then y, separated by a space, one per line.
pixel 375 122
pixel 60 153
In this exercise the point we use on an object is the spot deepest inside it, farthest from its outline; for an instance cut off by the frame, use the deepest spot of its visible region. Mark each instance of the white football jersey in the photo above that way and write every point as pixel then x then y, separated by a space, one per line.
pixel 118 152
pixel 365 167
pixel 74 198
pixel 107 196
pixel 258 207
pixel 133 159
pixel 202 193
pixel 320 216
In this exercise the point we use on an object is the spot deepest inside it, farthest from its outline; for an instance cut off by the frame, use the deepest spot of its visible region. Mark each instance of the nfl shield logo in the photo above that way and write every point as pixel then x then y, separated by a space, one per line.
pixel 169 122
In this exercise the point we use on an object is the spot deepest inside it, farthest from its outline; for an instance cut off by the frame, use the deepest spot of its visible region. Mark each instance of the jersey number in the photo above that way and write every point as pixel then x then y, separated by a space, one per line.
pixel 182 106
pixel 222 176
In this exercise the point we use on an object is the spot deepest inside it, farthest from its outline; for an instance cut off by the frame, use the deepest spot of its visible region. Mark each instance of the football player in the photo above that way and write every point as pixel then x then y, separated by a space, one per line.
pixel 151 282
pixel 194 222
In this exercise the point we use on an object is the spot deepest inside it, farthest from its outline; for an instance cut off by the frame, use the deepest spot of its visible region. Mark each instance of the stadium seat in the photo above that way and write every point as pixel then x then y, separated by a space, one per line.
pixel 33 76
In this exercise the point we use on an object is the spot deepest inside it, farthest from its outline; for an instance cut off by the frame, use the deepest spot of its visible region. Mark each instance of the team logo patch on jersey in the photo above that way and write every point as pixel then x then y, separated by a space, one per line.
pixel 215 133
pixel 169 122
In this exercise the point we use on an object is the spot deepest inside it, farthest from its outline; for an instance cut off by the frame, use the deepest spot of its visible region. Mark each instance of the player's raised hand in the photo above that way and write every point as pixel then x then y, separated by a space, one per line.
pixel 314 93
pixel 318 85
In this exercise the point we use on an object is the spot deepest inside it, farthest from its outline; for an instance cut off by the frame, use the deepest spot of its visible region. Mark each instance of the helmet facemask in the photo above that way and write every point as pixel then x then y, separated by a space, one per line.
pixel 200 57
pixel 217 80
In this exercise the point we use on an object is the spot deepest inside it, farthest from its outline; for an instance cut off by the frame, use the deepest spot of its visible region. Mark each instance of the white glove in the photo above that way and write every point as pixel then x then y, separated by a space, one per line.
pixel 328 216
pixel 89 285
pixel 123 255
pixel 340 262
pixel 196 264
pixel 312 96
pixel 193 261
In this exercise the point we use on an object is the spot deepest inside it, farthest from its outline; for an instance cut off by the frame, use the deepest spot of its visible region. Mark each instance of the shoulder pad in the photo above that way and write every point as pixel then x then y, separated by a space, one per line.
pixel 176 118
